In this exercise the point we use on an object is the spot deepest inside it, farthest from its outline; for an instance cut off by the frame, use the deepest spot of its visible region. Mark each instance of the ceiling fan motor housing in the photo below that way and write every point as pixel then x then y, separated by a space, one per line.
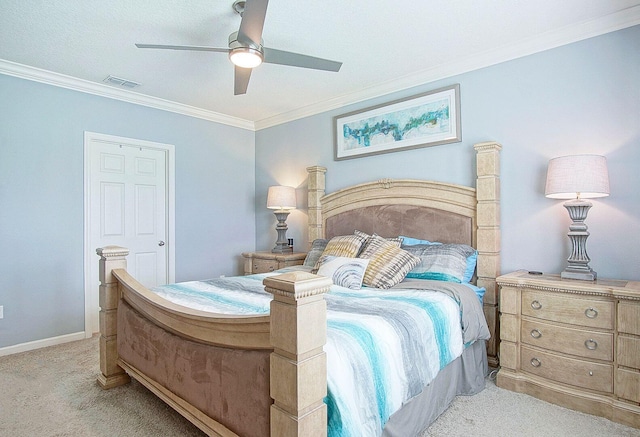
pixel 234 43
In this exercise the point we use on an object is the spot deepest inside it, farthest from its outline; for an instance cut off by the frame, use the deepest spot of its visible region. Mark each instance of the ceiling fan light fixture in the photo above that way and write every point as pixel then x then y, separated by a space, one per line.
pixel 245 57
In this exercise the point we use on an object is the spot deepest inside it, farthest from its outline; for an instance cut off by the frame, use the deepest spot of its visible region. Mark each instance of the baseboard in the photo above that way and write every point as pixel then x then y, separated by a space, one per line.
pixel 29 346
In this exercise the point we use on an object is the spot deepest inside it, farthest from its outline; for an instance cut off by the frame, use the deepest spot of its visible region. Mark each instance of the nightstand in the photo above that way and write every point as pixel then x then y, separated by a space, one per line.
pixel 572 343
pixel 264 262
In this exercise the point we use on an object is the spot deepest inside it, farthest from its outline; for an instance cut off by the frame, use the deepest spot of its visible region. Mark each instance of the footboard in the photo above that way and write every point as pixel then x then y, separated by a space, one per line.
pixel 294 332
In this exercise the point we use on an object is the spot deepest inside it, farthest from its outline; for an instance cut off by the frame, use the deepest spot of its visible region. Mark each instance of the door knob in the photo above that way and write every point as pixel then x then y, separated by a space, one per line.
pixel 161 243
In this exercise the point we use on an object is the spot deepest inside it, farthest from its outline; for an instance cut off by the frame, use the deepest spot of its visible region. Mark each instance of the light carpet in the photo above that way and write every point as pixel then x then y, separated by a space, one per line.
pixel 53 392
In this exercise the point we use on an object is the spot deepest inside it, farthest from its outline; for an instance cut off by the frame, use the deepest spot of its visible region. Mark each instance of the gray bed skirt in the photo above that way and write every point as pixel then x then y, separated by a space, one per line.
pixel 463 376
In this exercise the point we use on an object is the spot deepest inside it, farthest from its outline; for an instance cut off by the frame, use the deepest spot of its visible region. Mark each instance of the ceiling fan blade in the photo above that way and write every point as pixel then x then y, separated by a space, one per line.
pixel 241 80
pixel 252 21
pixel 196 48
pixel 273 56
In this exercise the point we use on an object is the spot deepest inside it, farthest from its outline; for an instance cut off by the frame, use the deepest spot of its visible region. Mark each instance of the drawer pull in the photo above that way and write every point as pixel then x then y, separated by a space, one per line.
pixel 535 333
pixel 535 362
pixel 591 313
pixel 537 305
pixel 591 344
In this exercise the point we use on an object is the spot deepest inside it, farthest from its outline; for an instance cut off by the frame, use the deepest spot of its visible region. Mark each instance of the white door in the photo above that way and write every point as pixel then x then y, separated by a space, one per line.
pixel 127 205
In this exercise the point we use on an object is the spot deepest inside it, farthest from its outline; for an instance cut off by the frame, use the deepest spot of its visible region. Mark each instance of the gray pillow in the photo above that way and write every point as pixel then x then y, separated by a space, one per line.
pixel 441 262
pixel 317 247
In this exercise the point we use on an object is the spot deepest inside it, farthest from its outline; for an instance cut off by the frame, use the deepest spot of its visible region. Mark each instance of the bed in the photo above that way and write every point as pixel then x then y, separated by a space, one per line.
pixel 264 371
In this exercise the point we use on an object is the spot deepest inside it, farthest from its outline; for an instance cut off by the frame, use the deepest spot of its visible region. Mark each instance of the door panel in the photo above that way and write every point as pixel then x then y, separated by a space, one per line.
pixel 145 201
pixel 146 268
pixel 112 199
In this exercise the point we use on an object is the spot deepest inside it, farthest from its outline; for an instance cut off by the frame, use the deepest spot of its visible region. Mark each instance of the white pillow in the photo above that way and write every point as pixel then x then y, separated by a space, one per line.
pixel 343 271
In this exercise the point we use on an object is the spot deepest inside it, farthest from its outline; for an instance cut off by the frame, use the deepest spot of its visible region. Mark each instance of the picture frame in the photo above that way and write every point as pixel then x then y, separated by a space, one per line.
pixel 428 119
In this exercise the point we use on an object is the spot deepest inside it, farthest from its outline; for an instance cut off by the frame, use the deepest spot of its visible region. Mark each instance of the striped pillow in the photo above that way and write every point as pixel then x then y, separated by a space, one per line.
pixel 443 262
pixel 388 264
pixel 395 240
pixel 343 245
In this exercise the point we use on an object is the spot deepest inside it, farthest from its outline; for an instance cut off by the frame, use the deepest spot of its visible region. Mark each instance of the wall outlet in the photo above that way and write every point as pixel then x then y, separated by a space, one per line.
pixel 1 311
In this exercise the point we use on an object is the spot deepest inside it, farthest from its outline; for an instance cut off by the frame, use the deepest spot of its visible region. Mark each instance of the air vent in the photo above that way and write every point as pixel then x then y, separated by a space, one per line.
pixel 112 80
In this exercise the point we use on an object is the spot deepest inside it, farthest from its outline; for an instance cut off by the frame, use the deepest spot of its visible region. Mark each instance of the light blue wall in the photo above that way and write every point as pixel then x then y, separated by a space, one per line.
pixel 42 199
pixel 579 98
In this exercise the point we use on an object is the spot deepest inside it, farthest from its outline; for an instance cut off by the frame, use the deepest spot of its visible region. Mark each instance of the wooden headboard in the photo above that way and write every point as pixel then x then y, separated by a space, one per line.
pixel 429 210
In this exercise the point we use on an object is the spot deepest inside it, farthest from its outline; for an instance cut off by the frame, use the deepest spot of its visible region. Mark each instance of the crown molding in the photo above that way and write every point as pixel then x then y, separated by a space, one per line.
pixel 546 41
pixel 73 83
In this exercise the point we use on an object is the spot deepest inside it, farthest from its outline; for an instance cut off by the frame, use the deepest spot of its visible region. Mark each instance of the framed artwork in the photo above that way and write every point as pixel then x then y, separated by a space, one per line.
pixel 428 119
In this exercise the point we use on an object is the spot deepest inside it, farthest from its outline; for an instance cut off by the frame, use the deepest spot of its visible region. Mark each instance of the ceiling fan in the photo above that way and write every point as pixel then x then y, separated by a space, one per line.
pixel 246 50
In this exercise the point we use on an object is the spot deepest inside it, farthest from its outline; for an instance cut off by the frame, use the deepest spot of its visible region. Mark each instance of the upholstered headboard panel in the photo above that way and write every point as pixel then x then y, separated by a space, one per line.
pixel 408 220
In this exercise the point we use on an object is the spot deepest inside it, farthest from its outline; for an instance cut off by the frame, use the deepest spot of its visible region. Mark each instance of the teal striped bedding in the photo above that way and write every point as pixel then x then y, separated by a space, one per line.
pixel 383 346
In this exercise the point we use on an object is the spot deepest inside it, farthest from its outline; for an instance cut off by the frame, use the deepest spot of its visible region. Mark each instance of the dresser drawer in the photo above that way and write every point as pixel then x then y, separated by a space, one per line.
pixel 629 317
pixel 588 344
pixel 629 351
pixel 264 265
pixel 580 373
pixel 591 313
pixel 266 262
pixel 628 385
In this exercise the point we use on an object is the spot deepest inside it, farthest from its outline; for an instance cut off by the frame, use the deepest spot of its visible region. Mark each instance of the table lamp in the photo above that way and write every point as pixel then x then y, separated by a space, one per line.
pixel 283 200
pixel 578 177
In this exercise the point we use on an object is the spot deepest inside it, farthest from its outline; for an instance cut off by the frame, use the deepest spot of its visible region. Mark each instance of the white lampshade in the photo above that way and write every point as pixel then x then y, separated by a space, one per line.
pixel 577 176
pixel 281 197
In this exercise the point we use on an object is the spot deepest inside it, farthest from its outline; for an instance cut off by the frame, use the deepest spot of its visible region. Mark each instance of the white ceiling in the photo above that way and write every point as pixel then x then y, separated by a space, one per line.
pixel 385 46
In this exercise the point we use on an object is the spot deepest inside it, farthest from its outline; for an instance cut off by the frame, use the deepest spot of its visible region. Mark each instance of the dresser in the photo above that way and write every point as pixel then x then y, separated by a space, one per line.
pixel 265 262
pixel 572 343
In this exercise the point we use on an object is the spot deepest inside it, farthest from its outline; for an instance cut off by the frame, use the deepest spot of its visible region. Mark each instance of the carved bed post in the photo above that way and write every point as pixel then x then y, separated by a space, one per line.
pixel 298 362
pixel 316 186
pixel 111 257
pixel 488 244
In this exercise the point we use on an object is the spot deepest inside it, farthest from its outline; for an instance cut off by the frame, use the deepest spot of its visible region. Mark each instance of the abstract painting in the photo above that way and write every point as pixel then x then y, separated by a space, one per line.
pixel 428 119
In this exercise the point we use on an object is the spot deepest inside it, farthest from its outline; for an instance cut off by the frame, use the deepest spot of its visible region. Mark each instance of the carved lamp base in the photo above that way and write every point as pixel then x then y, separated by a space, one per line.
pixel 578 267
pixel 282 244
